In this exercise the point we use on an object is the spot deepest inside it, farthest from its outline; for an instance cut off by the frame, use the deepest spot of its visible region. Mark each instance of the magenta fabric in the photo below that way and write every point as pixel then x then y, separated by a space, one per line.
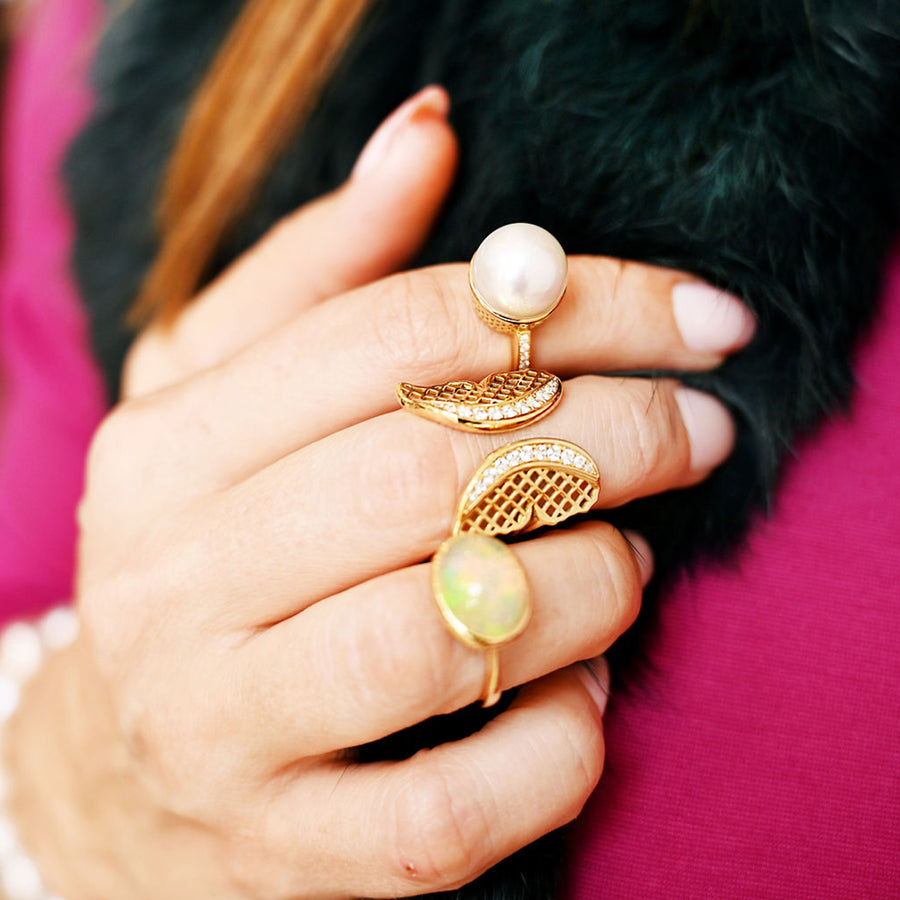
pixel 762 756
pixel 51 396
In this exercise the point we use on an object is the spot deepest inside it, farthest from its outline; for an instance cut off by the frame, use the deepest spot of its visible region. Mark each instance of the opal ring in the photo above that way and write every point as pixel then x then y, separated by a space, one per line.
pixel 478 583
pixel 518 276
pixel 482 593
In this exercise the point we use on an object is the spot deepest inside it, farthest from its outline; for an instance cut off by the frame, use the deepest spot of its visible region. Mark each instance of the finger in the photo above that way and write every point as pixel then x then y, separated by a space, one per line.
pixel 367 228
pixel 379 658
pixel 439 819
pixel 339 363
pixel 383 494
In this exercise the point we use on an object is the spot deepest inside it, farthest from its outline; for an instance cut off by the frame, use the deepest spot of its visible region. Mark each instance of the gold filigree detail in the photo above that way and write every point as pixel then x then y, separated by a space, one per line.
pixel 502 401
pixel 527 485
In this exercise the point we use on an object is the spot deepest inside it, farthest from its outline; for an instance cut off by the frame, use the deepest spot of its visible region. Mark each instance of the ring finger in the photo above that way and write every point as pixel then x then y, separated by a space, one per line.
pixel 378 657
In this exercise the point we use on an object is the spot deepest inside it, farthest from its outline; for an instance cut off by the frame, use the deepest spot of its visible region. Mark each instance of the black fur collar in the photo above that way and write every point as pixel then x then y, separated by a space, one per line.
pixel 754 143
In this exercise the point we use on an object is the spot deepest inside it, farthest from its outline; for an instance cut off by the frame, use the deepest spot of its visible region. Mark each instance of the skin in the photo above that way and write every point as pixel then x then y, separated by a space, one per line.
pixel 253 580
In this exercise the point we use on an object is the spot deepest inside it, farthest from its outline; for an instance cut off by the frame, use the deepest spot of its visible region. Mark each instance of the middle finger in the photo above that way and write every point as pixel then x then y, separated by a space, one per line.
pixel 382 494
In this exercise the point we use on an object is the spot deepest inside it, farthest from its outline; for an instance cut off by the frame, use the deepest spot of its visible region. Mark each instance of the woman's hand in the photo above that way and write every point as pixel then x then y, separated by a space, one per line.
pixel 253 587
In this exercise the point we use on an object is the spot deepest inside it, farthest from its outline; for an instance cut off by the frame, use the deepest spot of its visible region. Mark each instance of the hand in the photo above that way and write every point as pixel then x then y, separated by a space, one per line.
pixel 252 582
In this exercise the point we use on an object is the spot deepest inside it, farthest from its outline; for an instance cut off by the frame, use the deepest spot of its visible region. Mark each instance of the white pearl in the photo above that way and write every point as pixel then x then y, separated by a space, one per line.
pixel 519 272
pixel 20 651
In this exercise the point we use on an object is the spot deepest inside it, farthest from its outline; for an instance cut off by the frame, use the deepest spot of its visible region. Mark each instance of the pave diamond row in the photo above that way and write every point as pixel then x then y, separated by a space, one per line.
pixel 524 338
pixel 532 453
pixel 509 410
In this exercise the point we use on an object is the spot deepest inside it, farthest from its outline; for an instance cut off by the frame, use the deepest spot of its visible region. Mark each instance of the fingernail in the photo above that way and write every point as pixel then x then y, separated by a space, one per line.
pixel 642 553
pixel 709 426
pixel 594 674
pixel 430 101
pixel 711 320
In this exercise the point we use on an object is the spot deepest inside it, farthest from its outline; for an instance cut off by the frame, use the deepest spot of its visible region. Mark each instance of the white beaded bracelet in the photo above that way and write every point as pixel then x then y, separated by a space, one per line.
pixel 23 649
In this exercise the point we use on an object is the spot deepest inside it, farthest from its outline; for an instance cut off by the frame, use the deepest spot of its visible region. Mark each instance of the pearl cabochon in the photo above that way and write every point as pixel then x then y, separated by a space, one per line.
pixel 519 273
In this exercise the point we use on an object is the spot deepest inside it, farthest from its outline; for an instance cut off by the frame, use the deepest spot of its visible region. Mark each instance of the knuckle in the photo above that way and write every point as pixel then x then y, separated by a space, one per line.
pixel 650 446
pixel 105 454
pixel 412 661
pixel 442 839
pixel 671 426
pixel 414 466
pixel 654 438
pixel 625 579
pixel 254 866
pixel 608 273
pixel 417 329
pixel 178 755
pixel 616 573
pixel 280 234
pixel 579 741
pixel 129 449
pixel 155 360
pixel 106 629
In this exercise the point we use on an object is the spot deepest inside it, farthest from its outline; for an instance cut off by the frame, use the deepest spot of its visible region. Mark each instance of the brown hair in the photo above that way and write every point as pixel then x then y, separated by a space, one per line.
pixel 10 13
pixel 260 87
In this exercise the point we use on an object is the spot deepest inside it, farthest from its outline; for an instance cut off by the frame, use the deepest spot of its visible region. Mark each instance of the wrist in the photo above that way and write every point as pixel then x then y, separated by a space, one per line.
pixel 80 809
pixel 60 773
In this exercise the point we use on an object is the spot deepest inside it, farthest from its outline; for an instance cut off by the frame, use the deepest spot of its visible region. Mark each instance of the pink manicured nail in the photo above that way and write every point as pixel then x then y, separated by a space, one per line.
pixel 643 554
pixel 710 320
pixel 430 101
pixel 709 426
pixel 594 674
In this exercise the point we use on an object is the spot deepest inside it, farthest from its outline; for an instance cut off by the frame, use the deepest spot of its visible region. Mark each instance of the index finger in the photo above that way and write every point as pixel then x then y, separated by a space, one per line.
pixel 369 227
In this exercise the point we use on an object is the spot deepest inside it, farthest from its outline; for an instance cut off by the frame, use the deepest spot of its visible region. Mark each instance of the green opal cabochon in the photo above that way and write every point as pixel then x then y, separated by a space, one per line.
pixel 481 589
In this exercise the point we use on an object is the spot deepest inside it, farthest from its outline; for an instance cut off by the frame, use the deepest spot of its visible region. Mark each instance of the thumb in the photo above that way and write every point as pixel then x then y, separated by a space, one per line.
pixel 368 228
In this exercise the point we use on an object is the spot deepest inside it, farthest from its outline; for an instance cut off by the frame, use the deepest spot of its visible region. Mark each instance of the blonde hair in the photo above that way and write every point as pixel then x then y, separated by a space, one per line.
pixel 263 83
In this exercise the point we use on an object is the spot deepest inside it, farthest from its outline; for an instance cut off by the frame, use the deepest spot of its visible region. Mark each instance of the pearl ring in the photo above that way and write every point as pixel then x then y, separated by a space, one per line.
pixel 518 276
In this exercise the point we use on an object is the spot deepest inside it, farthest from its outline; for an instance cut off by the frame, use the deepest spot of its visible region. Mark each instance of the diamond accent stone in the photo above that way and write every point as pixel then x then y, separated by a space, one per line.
pixel 525 455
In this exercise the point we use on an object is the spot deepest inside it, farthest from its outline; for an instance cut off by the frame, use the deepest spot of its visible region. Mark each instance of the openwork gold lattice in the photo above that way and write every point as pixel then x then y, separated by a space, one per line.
pixel 528 485
pixel 504 400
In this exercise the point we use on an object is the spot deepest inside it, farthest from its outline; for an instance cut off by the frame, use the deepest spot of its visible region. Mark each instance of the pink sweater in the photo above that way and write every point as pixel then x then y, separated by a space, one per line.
pixel 50 394
pixel 762 758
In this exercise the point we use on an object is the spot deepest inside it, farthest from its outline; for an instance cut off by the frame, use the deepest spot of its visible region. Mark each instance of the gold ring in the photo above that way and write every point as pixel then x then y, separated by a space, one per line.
pixel 479 584
pixel 482 593
pixel 518 277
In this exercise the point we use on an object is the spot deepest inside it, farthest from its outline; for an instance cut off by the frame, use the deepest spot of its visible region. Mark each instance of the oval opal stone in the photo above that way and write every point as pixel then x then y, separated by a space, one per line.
pixel 481 588
pixel 519 272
